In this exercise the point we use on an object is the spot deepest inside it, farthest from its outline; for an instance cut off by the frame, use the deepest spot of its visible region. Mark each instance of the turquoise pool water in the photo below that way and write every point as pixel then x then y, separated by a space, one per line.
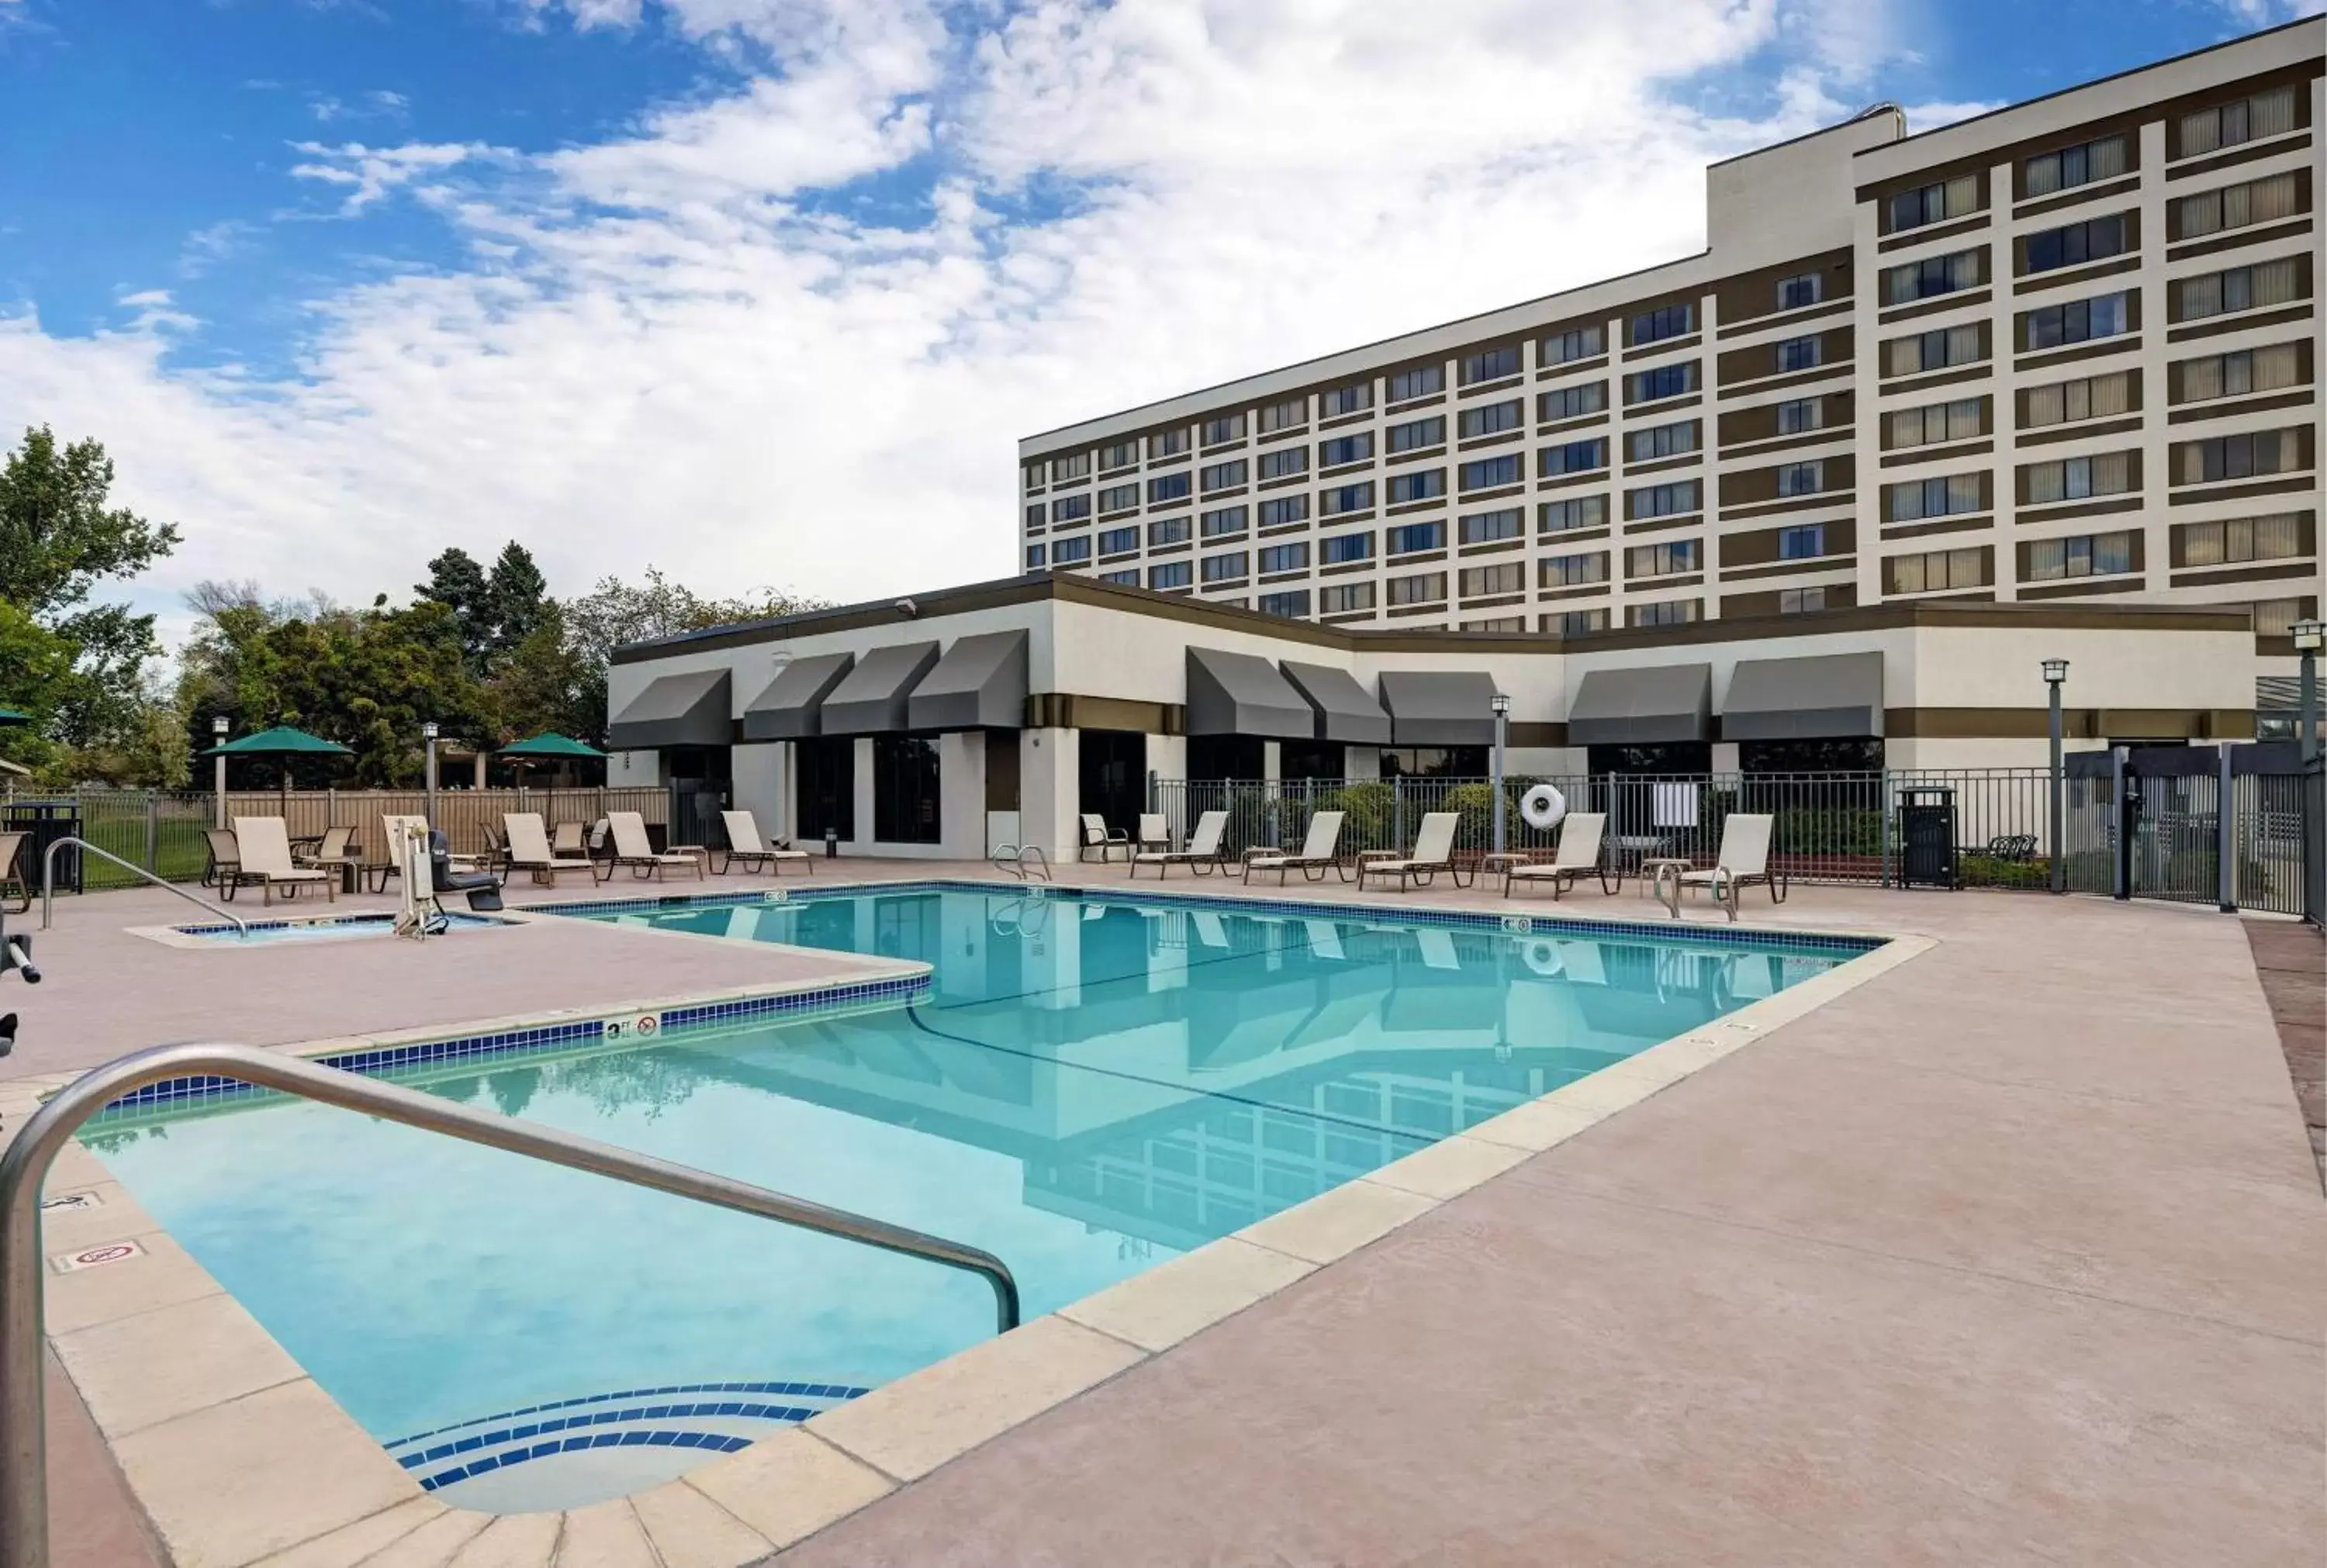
pixel 1088 1088
pixel 261 932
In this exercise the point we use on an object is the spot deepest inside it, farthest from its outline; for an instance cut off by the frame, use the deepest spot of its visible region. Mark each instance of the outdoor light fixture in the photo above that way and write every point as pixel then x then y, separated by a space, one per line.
pixel 428 731
pixel 219 726
pixel 2308 635
pixel 2056 670
pixel 1501 704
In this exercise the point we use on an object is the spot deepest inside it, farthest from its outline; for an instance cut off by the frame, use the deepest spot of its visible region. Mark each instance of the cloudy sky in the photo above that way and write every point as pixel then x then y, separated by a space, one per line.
pixel 764 290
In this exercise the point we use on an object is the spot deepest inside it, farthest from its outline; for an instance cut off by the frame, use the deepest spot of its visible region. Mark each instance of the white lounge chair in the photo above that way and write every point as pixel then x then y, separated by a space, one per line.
pixel 744 843
pixel 1320 851
pixel 1434 852
pixel 1203 854
pixel 633 848
pixel 1578 857
pixel 1098 837
pixel 265 845
pixel 529 850
pixel 1742 861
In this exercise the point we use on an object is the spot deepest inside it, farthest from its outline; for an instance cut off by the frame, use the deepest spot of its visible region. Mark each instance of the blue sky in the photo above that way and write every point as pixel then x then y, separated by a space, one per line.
pixel 719 282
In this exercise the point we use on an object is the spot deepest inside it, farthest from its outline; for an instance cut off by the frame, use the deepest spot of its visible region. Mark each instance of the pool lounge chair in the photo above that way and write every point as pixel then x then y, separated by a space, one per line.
pixel 224 869
pixel 633 849
pixel 11 875
pixel 1155 833
pixel 1434 852
pixel 570 840
pixel 1742 861
pixel 333 852
pixel 530 852
pixel 1579 856
pixel 1320 851
pixel 1204 854
pixel 744 843
pixel 265 845
pixel 1097 836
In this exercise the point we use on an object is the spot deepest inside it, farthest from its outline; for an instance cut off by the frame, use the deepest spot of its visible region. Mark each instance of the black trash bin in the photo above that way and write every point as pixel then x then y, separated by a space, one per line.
pixel 1926 836
pixel 44 821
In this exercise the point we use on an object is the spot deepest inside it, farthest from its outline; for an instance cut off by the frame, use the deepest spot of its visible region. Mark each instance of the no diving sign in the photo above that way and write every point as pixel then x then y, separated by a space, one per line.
pixel 96 1256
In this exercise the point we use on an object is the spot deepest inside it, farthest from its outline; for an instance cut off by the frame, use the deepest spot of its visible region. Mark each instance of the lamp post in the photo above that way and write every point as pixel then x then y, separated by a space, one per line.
pixel 219 728
pixel 1502 706
pixel 2056 671
pixel 428 735
pixel 2308 637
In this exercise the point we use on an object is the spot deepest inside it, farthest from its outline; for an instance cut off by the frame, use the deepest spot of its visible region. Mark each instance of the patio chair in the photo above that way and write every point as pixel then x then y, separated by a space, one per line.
pixel 265 844
pixel 529 850
pixel 1320 851
pixel 1578 857
pixel 570 840
pixel 333 853
pixel 633 849
pixel 744 843
pixel 1205 853
pixel 1155 833
pixel 1434 852
pixel 12 850
pixel 223 869
pixel 1742 861
pixel 1097 836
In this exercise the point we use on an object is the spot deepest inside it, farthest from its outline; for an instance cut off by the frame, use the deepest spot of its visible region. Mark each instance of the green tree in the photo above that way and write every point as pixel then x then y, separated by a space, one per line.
pixel 516 597
pixel 615 613
pixel 493 612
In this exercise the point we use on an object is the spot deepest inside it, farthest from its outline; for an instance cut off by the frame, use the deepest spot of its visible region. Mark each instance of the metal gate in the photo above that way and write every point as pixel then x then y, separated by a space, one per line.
pixel 2148 823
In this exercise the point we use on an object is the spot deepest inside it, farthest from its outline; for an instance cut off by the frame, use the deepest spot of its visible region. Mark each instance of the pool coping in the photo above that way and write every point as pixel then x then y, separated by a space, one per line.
pixel 207 1414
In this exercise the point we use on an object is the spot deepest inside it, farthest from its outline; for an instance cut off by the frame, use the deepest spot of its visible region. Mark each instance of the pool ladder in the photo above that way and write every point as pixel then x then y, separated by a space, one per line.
pixel 23 1456
pixel 1011 859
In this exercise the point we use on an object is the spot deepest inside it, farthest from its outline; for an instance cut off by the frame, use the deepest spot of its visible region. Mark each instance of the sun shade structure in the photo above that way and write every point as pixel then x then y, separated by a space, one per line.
pixel 12 716
pixel 1241 694
pixel 676 710
pixel 551 745
pixel 1346 710
pixel 1642 708
pixel 980 684
pixel 792 707
pixel 1440 708
pixel 1822 697
pixel 281 741
pixel 874 698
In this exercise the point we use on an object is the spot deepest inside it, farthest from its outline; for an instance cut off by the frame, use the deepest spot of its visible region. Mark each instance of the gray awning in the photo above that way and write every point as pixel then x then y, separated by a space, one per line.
pixel 1346 710
pixel 872 699
pixel 1830 695
pixel 1241 694
pixel 1440 708
pixel 980 684
pixel 1642 708
pixel 675 710
pixel 792 707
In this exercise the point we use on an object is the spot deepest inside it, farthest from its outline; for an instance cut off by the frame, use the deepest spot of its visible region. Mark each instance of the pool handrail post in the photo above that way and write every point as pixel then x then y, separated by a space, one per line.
pixel 24 1461
pixel 48 881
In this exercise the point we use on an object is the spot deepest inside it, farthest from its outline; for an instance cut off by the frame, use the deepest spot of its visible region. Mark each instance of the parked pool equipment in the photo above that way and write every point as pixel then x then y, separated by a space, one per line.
pixel 1543 807
pixel 418 915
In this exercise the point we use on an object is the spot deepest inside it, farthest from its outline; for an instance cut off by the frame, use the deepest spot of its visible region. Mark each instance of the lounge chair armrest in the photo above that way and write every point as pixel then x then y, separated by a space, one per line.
pixel 1366 854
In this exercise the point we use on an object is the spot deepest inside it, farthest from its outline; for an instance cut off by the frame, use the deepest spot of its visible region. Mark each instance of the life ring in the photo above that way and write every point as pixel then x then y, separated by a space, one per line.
pixel 1543 807
pixel 1541 955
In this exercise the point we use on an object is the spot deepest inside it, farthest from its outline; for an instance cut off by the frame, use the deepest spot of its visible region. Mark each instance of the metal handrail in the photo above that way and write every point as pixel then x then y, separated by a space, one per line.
pixel 48 881
pixel 1005 859
pixel 1026 872
pixel 24 1461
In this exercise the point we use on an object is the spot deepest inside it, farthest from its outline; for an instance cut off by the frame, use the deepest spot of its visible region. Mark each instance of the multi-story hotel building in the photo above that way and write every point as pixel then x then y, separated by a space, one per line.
pixel 2067 349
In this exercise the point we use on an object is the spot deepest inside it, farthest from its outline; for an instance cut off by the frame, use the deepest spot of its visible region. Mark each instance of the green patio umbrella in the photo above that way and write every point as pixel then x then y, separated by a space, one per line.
pixel 12 716
pixel 279 742
pixel 551 745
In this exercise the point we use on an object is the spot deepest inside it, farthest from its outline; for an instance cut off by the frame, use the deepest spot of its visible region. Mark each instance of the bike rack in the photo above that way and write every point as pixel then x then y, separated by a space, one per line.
pixel 48 881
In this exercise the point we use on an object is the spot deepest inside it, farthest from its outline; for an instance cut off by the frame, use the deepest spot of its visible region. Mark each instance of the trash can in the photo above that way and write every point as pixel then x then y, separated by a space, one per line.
pixel 1926 836
pixel 44 821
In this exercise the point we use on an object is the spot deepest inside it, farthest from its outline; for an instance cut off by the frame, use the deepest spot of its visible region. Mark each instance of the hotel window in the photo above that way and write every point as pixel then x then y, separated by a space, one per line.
pixel 1284 511
pixel 1226 427
pixel 1285 415
pixel 1221 521
pixel 2237 375
pixel 1128 577
pixel 2077 478
pixel 1405 489
pixel 2230 541
pixel 1348 399
pixel 905 789
pixel 1293 604
pixel 1665 612
pixel 1504 577
pixel 1122 455
pixel 1033 557
pixel 1068 508
pixel 2276 617
pixel 1034 517
pixel 1345 598
pixel 1575 343
pixel 1119 498
pixel 1491 365
pixel 1664 381
pixel 2086 555
pixel 1118 541
pixel 1422 588
pixel 1664 500
pixel 2077 322
pixel 1283 463
pixel 2081 165
pixel 2095 240
pixel 1798 414
pixel 1933 497
pixel 1494 418
pixel 1802 544
pixel 1032 476
pixel 1224 475
pixel 1167 531
pixel 1933 350
pixel 1415 538
pixel 1577 512
pixel 1497 623
pixel 1801 353
pixel 1419 382
pixel 2238 288
pixel 1489 472
pixel 1167 486
pixel 2262 452
pixel 1344 449
pixel 1801 290
pixel 1665 560
pixel 1934 276
pixel 1674 321
pixel 1075 550
pixel 1170 574
pixel 1572 402
pixel 1959 420
pixel 1340 549
pixel 1489 527
pixel 2237 206
pixel 1935 203
pixel 1575 457
pixel 1576 622
pixel 1276 558
pixel 1167 444
pixel 1572 571
pixel 1417 435
pixel 1662 441
pixel 1801 600
pixel 2269 114
pixel 1063 469
pixel 2087 397
pixel 1348 498
pixel 1228 567
pixel 1935 571
pixel 1801 478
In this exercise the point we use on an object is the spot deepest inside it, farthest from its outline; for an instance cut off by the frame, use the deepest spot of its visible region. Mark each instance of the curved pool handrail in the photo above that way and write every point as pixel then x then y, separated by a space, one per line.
pixel 24 1460
pixel 48 881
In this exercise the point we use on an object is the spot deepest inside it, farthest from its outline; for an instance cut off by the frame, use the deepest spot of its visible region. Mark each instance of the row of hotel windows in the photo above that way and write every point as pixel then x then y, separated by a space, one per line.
pixel 2204 379
pixel 2250 454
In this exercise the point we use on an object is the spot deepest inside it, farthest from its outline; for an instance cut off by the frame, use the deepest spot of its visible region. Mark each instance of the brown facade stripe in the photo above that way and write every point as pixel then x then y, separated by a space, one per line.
pixel 2214 326
pixel 2076 197
pixel 1984 294
pixel 2044 435
pixel 2238 240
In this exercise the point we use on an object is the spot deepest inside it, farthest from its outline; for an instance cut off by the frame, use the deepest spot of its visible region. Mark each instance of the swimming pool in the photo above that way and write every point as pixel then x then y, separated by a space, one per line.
pixel 1088 1086
pixel 318 929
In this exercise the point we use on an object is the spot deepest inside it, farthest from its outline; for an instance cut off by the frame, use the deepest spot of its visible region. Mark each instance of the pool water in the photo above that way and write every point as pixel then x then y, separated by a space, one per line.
pixel 1089 1086
pixel 262 932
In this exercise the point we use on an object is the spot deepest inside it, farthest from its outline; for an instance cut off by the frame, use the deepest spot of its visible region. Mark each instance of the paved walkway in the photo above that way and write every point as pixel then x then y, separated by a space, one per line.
pixel 2291 960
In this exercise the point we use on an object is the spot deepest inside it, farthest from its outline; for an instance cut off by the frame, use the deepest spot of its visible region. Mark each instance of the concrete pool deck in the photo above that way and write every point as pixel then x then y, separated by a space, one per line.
pixel 2013 1252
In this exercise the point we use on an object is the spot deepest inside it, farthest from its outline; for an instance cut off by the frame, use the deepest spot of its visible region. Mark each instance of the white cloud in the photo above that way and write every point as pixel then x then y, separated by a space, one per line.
pixel 685 346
